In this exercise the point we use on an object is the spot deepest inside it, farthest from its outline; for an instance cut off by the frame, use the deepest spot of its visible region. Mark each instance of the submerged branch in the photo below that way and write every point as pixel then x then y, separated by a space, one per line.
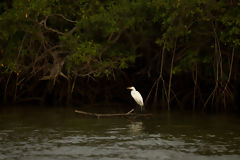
pixel 98 115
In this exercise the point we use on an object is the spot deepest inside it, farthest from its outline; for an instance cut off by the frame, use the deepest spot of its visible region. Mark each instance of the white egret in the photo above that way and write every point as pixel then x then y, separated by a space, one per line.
pixel 137 97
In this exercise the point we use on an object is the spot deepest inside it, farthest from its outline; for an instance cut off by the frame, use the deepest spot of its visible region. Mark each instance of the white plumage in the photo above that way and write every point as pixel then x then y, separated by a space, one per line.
pixel 137 97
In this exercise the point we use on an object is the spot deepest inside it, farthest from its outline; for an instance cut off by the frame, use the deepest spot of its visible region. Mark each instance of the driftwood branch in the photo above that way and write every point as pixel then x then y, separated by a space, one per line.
pixel 98 115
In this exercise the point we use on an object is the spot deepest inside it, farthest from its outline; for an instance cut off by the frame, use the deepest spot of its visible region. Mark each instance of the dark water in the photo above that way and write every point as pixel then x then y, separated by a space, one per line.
pixel 47 134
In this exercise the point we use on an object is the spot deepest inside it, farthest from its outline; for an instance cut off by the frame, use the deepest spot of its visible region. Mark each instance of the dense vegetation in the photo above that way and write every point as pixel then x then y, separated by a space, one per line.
pixel 177 53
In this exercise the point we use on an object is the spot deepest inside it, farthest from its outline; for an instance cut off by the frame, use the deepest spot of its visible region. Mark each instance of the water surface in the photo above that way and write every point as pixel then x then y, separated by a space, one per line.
pixel 44 134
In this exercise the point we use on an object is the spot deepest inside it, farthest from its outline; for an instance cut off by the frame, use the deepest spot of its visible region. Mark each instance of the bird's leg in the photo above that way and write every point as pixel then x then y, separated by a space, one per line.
pixel 138 109
pixel 142 109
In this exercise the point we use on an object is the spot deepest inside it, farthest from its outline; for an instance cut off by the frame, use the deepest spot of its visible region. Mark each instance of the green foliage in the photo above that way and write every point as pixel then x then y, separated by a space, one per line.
pixel 231 27
pixel 187 63
pixel 99 40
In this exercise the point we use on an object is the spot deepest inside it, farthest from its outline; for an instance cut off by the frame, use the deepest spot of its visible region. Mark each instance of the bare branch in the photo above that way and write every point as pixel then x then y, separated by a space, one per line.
pixel 44 24
pixel 69 20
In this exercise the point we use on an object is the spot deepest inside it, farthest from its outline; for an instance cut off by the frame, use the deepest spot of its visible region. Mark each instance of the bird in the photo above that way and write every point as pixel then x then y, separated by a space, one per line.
pixel 136 96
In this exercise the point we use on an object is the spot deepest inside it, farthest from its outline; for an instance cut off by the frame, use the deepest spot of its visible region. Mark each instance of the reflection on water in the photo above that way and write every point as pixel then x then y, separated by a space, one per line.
pixel 60 134
pixel 135 127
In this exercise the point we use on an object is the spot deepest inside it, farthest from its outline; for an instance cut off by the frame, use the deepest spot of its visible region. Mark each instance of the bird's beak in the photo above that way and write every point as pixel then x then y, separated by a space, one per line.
pixel 128 87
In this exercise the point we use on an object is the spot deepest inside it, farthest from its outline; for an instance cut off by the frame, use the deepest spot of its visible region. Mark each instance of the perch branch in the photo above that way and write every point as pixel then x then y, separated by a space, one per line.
pixel 98 115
